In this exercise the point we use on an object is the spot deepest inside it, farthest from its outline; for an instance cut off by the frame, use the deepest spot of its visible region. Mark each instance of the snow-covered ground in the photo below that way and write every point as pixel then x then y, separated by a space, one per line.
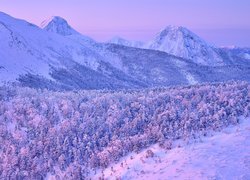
pixel 225 155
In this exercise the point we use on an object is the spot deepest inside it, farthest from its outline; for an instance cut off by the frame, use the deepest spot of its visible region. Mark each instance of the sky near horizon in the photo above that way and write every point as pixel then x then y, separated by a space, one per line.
pixel 221 22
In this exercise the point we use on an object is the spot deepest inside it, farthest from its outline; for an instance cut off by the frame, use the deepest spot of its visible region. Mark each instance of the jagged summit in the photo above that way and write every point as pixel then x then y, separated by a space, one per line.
pixel 176 31
pixel 174 28
pixel 58 25
pixel 180 41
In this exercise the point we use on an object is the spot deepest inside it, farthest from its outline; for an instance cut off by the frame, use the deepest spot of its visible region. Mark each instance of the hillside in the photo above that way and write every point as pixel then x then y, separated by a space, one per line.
pixel 223 155
pixel 74 134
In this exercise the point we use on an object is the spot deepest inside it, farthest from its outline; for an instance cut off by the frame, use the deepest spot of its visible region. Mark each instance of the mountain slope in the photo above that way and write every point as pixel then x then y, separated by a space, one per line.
pixel 58 57
pixel 28 52
pixel 157 68
pixel 87 130
pixel 181 42
pixel 222 156
pixel 66 62
pixel 151 67
pixel 236 56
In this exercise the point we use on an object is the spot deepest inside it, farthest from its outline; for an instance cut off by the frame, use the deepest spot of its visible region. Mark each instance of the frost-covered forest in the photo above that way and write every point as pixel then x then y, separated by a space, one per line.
pixel 71 133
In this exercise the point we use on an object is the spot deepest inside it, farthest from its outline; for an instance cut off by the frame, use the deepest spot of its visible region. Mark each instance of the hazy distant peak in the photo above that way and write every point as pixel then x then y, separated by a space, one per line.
pixel 124 42
pixel 58 25
pixel 118 40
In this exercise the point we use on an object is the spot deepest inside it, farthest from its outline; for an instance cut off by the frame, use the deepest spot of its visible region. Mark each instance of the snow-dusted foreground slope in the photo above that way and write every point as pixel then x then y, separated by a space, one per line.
pixel 47 134
pixel 223 155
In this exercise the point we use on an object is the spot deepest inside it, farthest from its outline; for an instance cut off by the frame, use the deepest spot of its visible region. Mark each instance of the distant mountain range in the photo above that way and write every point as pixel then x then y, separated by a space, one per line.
pixel 56 56
pixel 124 42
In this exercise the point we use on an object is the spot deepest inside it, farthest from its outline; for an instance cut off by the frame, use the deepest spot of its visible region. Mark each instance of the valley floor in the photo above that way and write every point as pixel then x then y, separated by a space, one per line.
pixel 225 155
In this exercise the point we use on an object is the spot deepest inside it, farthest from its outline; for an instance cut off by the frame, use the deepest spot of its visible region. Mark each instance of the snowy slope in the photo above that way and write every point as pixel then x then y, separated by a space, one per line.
pixel 57 56
pixel 225 155
pixel 62 55
pixel 18 54
pixel 236 55
pixel 181 42
pixel 157 68
pixel 28 51
pixel 151 67
pixel 124 42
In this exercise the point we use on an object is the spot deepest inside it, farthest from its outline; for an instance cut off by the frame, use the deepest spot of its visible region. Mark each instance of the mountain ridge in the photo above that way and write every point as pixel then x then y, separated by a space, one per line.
pixel 32 56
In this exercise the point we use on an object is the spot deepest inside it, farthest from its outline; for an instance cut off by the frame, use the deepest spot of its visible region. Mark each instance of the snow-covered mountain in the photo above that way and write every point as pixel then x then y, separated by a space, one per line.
pixel 58 25
pixel 58 57
pixel 181 42
pixel 125 42
pixel 36 57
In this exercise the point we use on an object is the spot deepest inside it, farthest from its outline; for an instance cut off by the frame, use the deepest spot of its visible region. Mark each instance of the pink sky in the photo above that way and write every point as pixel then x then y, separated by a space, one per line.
pixel 222 22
